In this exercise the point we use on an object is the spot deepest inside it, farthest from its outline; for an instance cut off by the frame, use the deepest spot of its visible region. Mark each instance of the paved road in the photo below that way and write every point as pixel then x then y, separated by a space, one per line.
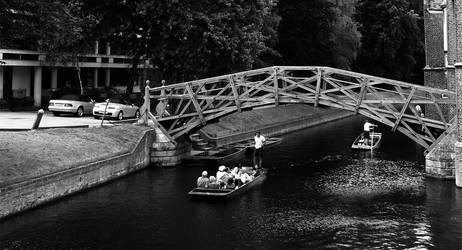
pixel 25 120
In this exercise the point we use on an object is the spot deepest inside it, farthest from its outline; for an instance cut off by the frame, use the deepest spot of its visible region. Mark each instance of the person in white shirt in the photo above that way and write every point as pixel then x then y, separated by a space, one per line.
pixel 259 143
pixel 367 129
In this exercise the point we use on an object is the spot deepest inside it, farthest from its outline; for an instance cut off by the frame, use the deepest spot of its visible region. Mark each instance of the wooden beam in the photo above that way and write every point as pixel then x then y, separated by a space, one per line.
pixel 361 95
pixel 398 119
pixel 195 103
pixel 235 94
pixel 276 87
pixel 157 124
pixel 318 88
pixel 440 113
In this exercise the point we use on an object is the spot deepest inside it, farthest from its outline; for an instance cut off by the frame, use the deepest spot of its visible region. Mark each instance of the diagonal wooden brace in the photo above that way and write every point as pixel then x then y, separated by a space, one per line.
pixel 195 103
pixel 400 116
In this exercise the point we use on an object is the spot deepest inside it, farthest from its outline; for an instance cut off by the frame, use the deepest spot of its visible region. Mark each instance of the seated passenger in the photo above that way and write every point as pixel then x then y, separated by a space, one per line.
pixel 213 182
pixel 221 172
pixel 230 184
pixel 236 172
pixel 245 177
pixel 203 180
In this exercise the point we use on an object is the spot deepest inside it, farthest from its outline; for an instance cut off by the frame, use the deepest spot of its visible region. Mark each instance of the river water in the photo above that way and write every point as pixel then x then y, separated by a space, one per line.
pixel 318 194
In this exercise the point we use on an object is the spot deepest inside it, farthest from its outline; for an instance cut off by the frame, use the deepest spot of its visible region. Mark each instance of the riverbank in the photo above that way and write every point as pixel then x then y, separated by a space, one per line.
pixel 269 121
pixel 42 165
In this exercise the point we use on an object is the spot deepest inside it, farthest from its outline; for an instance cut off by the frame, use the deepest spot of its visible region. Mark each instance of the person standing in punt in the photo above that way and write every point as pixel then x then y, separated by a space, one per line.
pixel 367 129
pixel 257 156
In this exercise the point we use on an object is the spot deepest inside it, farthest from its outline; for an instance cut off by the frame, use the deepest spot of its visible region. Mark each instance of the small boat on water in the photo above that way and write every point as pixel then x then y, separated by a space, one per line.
pixel 219 155
pixel 270 141
pixel 223 154
pixel 372 142
pixel 215 193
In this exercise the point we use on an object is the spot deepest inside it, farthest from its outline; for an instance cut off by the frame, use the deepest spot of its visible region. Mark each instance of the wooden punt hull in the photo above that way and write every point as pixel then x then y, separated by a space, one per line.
pixel 220 155
pixel 212 193
pixel 230 152
pixel 357 144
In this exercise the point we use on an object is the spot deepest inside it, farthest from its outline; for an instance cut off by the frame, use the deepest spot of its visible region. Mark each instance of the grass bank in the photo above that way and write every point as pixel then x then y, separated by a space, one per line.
pixel 29 154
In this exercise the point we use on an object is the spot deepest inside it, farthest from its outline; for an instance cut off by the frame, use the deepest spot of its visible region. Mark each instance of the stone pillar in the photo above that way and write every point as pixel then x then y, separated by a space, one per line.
pixel 107 78
pixel 458 82
pixel 1 82
pixel 451 26
pixel 165 153
pixel 95 78
pixel 37 86
pixel 54 78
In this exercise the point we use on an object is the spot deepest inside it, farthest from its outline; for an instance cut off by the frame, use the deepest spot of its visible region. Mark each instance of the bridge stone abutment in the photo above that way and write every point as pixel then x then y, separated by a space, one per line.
pixel 165 152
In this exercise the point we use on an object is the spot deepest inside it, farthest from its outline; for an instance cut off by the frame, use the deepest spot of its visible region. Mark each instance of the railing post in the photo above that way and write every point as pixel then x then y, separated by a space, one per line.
pixel 147 104
pixel 276 87
pixel 318 87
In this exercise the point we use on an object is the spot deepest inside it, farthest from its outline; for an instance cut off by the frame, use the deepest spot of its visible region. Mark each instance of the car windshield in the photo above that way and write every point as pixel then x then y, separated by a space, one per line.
pixel 117 99
pixel 69 97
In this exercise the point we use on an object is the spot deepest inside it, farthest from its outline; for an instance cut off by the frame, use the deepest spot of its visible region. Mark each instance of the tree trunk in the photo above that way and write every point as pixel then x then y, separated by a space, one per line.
pixel 77 65
pixel 133 74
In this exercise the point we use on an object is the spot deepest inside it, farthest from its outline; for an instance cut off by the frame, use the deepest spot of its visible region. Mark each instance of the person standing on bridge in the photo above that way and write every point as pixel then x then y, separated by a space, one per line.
pixel 367 129
pixel 257 155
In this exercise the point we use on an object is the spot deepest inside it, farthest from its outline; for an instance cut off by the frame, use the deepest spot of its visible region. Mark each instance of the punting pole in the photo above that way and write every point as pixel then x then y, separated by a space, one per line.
pixel 372 141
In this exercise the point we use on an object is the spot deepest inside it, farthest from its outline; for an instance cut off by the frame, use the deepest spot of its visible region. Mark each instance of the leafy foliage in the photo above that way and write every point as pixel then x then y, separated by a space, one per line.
pixel 316 33
pixel 192 39
pixel 392 40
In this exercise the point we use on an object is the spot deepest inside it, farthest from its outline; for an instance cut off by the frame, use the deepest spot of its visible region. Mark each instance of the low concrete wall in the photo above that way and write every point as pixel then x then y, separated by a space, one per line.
pixel 27 194
pixel 280 127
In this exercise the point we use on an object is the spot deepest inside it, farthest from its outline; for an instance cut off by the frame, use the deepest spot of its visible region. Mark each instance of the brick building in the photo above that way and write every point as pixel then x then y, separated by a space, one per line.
pixel 441 44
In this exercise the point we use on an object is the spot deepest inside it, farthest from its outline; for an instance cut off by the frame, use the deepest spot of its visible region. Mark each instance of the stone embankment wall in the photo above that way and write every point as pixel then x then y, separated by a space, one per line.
pixel 19 196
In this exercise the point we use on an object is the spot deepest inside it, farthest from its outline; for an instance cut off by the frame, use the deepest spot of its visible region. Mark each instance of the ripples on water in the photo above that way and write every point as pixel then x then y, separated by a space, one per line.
pixel 318 194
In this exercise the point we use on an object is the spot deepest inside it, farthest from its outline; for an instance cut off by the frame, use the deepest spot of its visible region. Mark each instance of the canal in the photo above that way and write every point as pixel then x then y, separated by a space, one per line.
pixel 318 194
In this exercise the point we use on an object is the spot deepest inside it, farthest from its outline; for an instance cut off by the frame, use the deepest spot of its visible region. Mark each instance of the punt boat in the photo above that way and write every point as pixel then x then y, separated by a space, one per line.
pixel 215 193
pixel 228 153
pixel 219 155
pixel 360 144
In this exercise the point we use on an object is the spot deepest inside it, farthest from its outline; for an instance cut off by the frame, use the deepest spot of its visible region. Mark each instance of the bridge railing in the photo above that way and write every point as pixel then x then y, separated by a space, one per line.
pixel 419 112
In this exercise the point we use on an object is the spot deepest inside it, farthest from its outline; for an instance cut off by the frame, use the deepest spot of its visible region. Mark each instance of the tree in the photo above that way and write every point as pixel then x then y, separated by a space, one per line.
pixel 392 41
pixel 66 36
pixel 316 33
pixel 186 40
pixel 57 28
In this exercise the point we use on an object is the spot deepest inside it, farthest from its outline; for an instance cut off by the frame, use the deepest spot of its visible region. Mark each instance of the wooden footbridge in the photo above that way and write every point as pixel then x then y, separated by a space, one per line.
pixel 183 107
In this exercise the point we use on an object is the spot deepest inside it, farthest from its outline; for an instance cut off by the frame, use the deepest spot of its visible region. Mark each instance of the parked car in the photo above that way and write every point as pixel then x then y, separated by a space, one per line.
pixel 118 107
pixel 71 104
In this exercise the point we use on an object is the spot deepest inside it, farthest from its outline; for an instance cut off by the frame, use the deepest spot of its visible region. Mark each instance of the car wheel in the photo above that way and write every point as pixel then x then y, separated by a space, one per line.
pixel 137 114
pixel 96 117
pixel 120 116
pixel 79 112
pixel 56 113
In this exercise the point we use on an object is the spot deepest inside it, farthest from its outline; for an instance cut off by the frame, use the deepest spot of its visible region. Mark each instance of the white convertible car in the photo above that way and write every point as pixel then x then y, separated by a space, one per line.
pixel 117 107
pixel 71 104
